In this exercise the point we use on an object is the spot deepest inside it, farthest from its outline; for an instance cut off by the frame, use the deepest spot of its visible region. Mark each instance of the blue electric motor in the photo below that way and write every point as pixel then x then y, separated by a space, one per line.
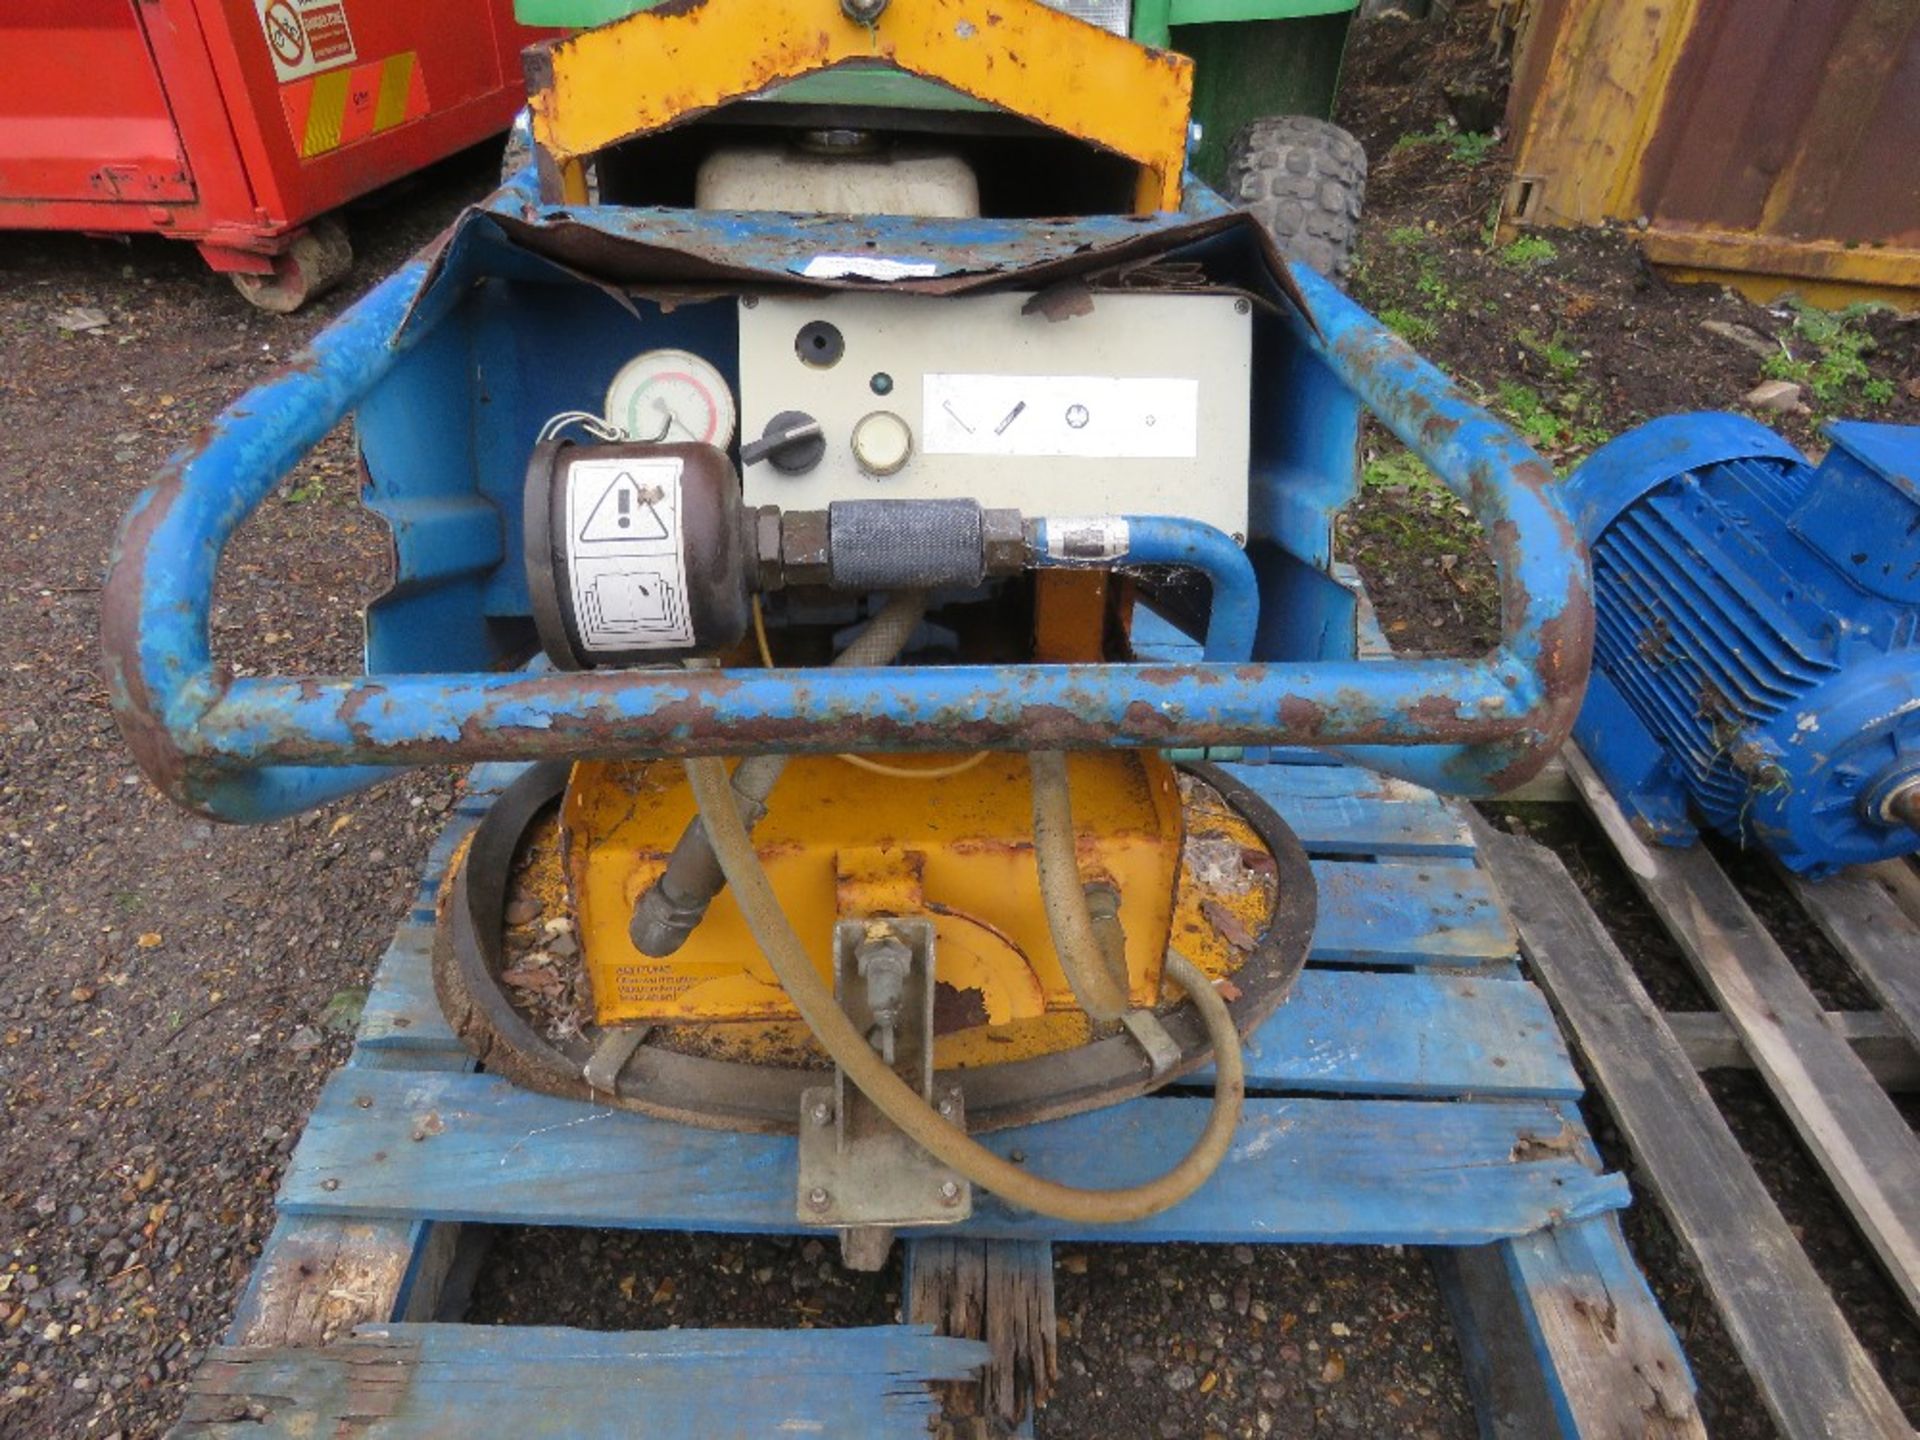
pixel 1758 642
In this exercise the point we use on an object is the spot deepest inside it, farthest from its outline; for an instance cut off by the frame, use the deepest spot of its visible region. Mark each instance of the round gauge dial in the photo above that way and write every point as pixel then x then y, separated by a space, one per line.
pixel 671 395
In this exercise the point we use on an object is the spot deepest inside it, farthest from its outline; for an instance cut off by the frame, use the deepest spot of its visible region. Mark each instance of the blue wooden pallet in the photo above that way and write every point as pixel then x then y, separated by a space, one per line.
pixel 461 1381
pixel 1413 1090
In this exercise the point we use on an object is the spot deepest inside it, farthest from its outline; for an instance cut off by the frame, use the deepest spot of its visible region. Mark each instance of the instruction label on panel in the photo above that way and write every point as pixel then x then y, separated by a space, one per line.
pixel 1091 417
pixel 627 555
pixel 306 36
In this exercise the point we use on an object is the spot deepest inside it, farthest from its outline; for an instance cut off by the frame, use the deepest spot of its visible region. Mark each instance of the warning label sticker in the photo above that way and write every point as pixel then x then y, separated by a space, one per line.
pixel 306 36
pixel 627 555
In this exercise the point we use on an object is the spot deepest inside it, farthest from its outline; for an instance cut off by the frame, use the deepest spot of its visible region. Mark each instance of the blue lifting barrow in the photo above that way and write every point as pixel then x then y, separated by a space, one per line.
pixel 997 545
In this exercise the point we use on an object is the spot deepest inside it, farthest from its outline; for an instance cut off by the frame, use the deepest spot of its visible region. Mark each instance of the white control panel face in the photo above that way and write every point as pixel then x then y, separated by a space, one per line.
pixel 1139 405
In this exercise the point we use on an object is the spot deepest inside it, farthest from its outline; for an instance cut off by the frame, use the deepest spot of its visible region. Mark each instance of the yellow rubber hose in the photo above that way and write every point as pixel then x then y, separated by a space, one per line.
pixel 861 762
pixel 1082 957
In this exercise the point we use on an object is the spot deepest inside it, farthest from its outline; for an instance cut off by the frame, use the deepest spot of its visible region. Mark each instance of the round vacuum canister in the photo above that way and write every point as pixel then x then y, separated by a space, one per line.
pixel 635 553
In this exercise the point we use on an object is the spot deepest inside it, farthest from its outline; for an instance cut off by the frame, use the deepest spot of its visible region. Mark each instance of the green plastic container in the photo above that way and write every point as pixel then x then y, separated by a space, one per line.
pixel 1251 58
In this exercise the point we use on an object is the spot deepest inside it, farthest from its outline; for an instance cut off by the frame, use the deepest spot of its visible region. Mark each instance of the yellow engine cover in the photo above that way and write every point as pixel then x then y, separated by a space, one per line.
pixel 842 843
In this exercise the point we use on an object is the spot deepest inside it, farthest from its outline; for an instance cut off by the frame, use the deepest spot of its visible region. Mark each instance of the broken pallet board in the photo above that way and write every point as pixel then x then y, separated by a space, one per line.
pixel 449 1382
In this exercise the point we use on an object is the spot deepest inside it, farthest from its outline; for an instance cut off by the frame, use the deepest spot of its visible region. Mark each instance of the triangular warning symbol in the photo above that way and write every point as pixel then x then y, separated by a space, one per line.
pixel 625 512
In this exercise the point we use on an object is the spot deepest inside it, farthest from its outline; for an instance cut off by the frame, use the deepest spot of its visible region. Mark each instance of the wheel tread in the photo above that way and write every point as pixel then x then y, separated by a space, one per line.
pixel 1305 180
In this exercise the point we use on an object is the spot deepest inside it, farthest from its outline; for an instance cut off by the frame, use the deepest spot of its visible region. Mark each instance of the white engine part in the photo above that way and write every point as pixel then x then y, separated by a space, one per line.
pixel 1139 405
pixel 889 181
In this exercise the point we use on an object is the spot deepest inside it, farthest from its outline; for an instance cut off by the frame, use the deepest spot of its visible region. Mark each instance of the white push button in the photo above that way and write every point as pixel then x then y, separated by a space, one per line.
pixel 882 442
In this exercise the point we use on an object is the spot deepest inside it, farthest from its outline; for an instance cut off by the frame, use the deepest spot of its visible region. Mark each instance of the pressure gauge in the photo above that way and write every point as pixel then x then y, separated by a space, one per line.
pixel 671 396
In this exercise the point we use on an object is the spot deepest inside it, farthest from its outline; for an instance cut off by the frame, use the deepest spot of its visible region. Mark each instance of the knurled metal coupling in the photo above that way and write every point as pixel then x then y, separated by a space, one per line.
pixel 885 545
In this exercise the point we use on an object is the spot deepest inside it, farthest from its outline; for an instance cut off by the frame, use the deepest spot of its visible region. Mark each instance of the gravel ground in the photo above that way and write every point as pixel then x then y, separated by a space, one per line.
pixel 1155 1340
pixel 174 991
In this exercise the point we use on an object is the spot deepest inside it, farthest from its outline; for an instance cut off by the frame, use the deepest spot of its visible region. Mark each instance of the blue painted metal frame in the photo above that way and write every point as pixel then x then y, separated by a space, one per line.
pixel 407 355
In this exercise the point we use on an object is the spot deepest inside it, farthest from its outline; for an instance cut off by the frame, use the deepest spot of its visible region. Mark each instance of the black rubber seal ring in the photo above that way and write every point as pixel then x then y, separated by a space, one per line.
pixel 726 1094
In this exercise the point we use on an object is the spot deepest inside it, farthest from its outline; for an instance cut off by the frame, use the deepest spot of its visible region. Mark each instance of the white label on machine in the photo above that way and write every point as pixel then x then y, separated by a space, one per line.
pixel 866 267
pixel 306 36
pixel 1088 417
pixel 627 555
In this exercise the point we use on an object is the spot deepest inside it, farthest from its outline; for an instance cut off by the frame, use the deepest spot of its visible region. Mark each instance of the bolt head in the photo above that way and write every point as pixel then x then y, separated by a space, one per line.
pixel 818 1198
pixel 821 1112
pixel 949 1193
pixel 946 1108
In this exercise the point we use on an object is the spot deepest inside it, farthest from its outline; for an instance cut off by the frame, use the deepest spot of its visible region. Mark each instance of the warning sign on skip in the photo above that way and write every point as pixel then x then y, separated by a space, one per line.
pixel 306 36
pixel 627 555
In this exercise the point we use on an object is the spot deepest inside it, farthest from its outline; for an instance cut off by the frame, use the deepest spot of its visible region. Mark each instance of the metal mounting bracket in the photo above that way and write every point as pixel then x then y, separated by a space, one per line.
pixel 857 1169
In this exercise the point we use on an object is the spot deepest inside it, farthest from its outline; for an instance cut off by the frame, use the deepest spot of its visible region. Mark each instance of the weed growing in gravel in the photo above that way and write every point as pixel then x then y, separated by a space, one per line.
pixel 1831 362
pixel 1410 523
pixel 1412 328
pixel 1399 469
pixel 1553 430
pixel 1434 290
pixel 1463 147
pixel 1420 139
pixel 1406 237
pixel 1528 252
pixel 1472 148
pixel 1558 352
pixel 1408 511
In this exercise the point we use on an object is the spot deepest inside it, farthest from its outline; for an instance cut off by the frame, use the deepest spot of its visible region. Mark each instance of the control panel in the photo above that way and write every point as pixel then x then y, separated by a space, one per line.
pixel 1103 404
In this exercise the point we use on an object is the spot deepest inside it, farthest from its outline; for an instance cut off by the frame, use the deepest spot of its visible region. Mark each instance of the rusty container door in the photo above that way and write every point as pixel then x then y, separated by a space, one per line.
pixel 1789 142
pixel 1774 144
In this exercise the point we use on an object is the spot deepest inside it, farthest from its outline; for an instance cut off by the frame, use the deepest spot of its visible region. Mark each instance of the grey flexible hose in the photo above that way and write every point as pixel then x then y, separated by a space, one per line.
pixel 900 1103
pixel 676 902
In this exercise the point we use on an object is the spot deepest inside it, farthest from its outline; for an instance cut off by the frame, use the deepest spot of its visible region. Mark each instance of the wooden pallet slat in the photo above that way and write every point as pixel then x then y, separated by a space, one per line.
pixel 1339 1032
pixel 1868 927
pixel 1712 1043
pixel 1344 810
pixel 1413 915
pixel 1813 1375
pixel 446 1382
pixel 477 1148
pixel 1382 1033
pixel 1407 915
pixel 1863 1143
pixel 1561 1336
pixel 1612 1364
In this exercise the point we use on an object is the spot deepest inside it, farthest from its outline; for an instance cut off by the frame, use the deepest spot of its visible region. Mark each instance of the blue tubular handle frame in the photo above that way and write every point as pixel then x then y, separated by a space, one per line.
pixel 260 749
